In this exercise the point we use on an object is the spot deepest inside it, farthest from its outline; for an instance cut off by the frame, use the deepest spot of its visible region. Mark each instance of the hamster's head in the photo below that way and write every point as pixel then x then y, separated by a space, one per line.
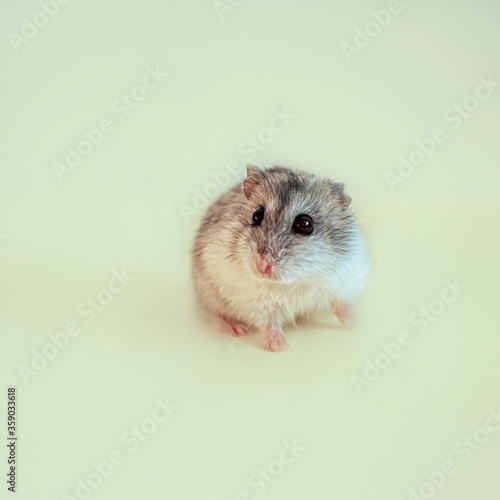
pixel 296 227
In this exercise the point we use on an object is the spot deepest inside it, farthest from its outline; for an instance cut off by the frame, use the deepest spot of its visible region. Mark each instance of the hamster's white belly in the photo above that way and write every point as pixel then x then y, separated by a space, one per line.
pixel 259 301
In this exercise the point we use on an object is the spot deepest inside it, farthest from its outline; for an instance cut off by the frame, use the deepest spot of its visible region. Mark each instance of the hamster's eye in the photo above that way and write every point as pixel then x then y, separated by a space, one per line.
pixel 257 216
pixel 303 224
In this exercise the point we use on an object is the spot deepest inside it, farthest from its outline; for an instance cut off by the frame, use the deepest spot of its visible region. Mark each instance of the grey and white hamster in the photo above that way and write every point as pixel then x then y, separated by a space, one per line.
pixel 283 246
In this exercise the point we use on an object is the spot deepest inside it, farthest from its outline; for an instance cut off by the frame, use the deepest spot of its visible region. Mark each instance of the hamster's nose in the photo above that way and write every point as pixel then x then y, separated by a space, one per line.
pixel 264 264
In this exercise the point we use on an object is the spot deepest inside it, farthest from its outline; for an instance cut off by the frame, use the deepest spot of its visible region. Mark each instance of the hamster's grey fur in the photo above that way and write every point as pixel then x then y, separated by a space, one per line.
pixel 261 277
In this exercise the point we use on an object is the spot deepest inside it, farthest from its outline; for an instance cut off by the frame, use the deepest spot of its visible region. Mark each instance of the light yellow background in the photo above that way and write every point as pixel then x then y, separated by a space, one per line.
pixel 121 209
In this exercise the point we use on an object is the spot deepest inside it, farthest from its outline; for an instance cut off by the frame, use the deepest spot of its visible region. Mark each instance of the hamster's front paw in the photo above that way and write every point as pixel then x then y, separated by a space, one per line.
pixel 345 313
pixel 274 339
pixel 232 326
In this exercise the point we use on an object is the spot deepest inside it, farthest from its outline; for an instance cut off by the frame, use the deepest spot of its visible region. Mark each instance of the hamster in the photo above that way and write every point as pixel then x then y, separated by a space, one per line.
pixel 281 247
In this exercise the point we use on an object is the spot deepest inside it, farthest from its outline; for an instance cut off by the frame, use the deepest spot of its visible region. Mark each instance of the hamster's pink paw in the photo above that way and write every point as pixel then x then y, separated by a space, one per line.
pixel 232 326
pixel 275 340
pixel 345 313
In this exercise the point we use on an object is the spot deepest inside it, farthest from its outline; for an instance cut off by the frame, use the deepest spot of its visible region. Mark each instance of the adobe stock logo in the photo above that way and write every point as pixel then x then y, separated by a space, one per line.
pixel 455 116
pixel 60 340
pixel 132 439
pixel 249 147
pixel 40 19
pixel 222 7
pixel 94 137
pixel 465 448
pixel 392 350
pixel 265 476
pixel 372 29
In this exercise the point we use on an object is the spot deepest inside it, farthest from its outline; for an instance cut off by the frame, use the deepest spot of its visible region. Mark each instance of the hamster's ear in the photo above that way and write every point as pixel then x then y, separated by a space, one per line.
pixel 338 191
pixel 254 178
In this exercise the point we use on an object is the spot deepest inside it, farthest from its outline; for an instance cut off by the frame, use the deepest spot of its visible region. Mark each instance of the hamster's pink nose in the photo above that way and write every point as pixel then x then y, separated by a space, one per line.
pixel 264 265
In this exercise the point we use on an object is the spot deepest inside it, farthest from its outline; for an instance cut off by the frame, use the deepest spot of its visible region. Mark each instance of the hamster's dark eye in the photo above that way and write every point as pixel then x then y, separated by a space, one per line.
pixel 303 224
pixel 257 216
